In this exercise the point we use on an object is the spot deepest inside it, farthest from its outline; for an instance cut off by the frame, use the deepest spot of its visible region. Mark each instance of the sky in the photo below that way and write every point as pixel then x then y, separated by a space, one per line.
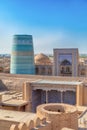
pixel 53 24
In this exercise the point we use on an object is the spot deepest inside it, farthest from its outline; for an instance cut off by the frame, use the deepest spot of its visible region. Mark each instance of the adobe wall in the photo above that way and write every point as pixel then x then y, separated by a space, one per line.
pixel 32 125
pixel 36 124
pixel 85 96
pixel 80 95
pixel 15 81
pixel 11 84
pixel 5 125
pixel 27 96
pixel 61 115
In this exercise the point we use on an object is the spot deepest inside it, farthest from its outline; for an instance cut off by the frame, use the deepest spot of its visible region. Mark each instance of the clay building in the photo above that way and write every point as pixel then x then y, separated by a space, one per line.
pixel 43 65
pixel 53 91
pixel 66 62
pixel 24 93
pixel 43 119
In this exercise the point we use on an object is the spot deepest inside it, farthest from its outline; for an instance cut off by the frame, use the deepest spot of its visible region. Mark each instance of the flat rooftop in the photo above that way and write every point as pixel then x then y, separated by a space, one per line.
pixel 7 95
pixel 58 82
pixel 12 98
pixel 14 102
pixel 16 116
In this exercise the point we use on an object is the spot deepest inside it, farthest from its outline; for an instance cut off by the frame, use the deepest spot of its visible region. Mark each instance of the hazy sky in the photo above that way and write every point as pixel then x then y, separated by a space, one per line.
pixel 53 23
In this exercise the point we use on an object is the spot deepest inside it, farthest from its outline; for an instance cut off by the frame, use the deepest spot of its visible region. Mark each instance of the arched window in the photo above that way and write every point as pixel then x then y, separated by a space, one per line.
pixel 67 69
pixel 37 70
pixel 43 71
pixel 62 70
pixel 83 72
pixel 65 62
pixel 49 71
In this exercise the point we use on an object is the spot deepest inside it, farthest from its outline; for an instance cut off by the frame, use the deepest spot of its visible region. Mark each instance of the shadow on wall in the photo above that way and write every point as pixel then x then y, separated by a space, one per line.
pixel 2 86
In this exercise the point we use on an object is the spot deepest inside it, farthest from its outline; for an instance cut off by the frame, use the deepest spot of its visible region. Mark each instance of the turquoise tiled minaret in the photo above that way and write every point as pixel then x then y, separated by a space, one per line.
pixel 22 57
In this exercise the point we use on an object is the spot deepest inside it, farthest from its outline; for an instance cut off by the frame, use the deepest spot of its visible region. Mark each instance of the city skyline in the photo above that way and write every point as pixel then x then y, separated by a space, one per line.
pixel 53 24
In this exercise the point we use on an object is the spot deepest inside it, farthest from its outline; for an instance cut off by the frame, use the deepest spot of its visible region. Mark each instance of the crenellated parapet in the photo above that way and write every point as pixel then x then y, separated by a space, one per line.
pixel 37 124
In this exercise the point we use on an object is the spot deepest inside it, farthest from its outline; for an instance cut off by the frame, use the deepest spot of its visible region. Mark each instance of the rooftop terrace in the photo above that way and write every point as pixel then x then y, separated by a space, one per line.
pixel 16 116
pixel 58 82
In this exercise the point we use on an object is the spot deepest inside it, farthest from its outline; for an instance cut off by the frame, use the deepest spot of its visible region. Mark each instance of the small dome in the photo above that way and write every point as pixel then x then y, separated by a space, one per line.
pixel 42 59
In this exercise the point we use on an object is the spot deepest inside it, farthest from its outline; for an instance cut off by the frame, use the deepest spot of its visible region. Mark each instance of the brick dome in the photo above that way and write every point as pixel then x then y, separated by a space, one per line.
pixel 42 59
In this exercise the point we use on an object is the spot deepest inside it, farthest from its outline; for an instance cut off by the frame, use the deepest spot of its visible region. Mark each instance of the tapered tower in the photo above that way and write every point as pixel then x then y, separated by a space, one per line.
pixel 22 57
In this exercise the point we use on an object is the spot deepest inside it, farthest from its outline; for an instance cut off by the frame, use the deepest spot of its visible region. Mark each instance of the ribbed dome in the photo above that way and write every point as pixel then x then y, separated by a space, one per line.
pixel 42 59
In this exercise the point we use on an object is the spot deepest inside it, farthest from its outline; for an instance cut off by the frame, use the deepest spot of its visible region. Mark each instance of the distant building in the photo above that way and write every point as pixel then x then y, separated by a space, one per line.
pixel 22 57
pixel 66 62
pixel 43 64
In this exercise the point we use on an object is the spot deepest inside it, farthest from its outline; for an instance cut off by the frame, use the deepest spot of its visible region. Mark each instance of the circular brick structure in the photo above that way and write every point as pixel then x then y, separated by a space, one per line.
pixel 61 115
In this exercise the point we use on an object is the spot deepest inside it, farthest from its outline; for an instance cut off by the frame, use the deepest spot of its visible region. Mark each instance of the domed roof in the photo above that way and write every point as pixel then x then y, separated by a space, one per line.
pixel 65 62
pixel 42 59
